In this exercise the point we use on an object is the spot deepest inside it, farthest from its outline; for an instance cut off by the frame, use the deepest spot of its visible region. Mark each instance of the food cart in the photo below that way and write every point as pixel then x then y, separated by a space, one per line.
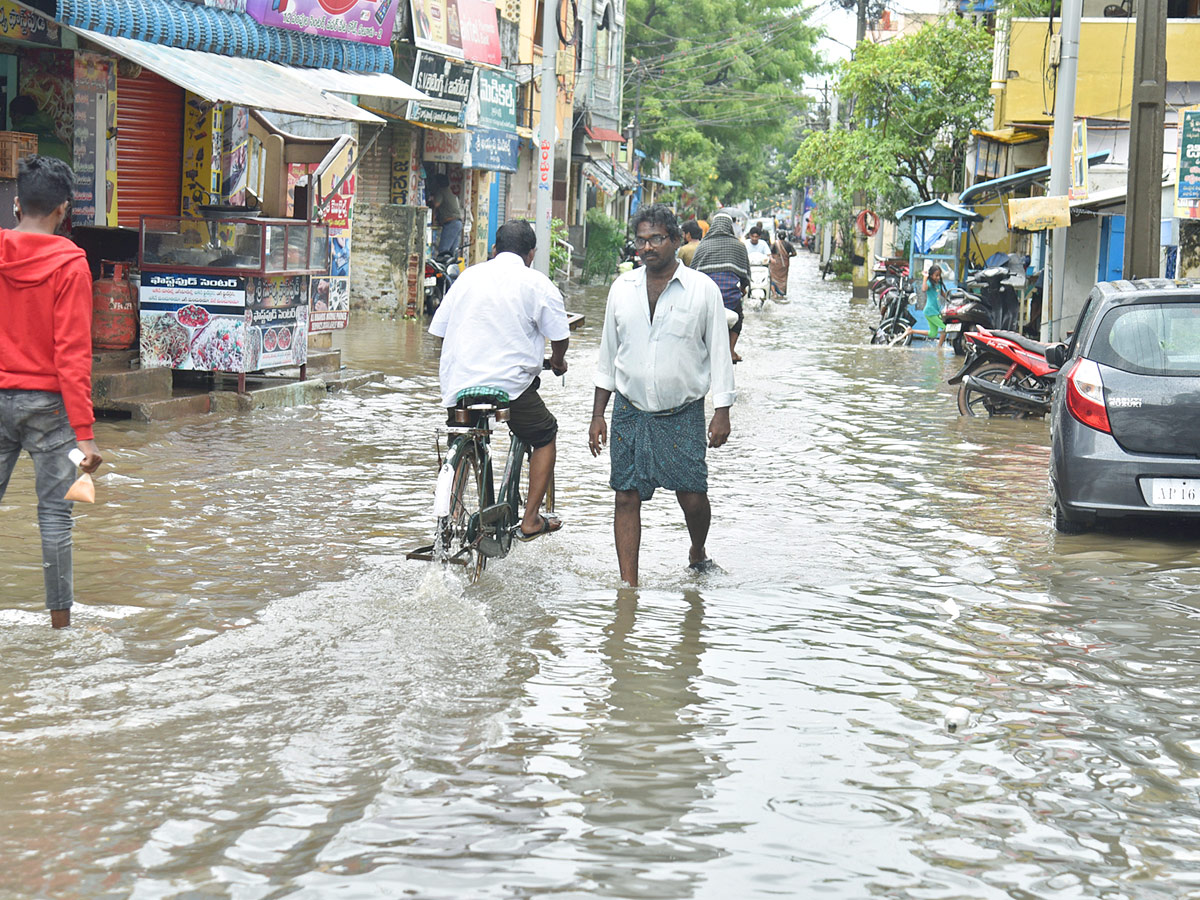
pixel 227 294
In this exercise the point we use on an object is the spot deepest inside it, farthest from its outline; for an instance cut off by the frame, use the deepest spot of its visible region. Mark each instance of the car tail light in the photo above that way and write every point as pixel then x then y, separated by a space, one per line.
pixel 1085 395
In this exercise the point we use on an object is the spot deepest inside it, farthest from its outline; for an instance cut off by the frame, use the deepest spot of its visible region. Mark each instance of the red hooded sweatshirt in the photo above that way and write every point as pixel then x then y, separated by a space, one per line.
pixel 46 321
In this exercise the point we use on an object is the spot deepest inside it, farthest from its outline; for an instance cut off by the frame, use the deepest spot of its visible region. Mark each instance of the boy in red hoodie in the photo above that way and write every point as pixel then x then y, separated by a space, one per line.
pixel 46 362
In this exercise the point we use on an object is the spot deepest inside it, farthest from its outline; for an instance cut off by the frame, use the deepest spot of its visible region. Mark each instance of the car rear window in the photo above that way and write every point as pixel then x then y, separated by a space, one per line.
pixel 1150 339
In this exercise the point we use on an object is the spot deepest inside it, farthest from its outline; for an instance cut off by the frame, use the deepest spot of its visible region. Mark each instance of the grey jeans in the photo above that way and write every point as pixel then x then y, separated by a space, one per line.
pixel 37 421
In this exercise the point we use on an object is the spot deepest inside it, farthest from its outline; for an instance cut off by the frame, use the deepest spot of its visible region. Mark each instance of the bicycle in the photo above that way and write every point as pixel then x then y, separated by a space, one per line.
pixel 476 523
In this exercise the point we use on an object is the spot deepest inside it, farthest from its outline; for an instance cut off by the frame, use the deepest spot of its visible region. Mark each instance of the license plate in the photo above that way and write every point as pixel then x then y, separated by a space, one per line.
pixel 1174 492
pixel 954 328
pixel 430 282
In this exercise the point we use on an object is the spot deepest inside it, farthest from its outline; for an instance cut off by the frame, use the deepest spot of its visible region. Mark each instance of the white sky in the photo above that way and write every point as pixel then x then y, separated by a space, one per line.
pixel 841 24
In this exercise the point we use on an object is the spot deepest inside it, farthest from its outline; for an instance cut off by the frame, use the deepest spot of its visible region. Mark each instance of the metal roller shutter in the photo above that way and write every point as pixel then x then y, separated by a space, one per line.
pixel 149 147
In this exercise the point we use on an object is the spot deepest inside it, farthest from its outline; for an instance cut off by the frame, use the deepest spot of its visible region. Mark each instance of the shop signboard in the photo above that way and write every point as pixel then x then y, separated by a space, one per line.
pixel 448 84
pixel 1038 213
pixel 1187 182
pixel 368 21
pixel 89 141
pixel 330 297
pixel 463 29
pixel 223 323
pixel 404 189
pixel 445 146
pixel 17 23
pixel 494 103
pixel 492 150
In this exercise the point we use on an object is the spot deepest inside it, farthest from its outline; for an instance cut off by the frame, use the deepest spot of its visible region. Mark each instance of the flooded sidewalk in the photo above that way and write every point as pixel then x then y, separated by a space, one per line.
pixel 262 698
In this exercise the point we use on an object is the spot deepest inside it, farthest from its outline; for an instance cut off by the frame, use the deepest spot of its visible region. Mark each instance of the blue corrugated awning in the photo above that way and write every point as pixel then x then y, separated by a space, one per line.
pixel 191 26
pixel 1018 180
pixel 665 182
pixel 976 6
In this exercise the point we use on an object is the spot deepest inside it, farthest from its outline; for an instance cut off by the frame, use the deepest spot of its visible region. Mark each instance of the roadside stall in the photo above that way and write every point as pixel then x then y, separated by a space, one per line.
pixel 932 221
pixel 228 295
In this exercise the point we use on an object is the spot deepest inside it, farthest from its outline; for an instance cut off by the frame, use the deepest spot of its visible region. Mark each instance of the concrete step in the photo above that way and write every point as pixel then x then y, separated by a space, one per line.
pixel 348 379
pixel 155 407
pixel 112 385
pixel 321 361
pixel 294 393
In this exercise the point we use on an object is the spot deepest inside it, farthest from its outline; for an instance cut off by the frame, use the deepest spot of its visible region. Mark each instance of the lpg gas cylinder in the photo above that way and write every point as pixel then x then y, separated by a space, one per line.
pixel 114 309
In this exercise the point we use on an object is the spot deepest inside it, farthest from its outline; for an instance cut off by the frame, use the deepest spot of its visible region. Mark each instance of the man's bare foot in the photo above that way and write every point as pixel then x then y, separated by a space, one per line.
pixel 60 618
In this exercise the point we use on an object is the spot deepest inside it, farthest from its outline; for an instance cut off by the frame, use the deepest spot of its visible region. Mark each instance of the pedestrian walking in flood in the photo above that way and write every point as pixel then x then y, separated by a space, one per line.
pixel 46 362
pixel 662 349
pixel 723 258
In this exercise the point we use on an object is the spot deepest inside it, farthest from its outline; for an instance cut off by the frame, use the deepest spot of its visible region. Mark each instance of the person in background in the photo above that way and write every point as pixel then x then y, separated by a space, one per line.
pixel 691 236
pixel 722 257
pixel 46 362
pixel 780 266
pixel 494 323
pixel 756 248
pixel 447 214
pixel 661 351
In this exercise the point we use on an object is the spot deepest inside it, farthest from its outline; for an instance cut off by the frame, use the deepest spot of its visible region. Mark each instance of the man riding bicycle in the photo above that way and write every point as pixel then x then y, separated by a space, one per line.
pixel 494 323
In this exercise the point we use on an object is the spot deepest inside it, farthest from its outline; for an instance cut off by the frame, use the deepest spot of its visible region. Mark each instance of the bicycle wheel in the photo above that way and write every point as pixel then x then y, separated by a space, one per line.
pixel 466 499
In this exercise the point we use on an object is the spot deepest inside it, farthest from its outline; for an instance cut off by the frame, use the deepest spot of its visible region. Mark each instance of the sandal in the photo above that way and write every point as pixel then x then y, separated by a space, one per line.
pixel 546 528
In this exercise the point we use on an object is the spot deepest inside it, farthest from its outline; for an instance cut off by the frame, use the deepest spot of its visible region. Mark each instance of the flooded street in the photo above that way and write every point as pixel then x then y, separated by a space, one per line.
pixel 262 698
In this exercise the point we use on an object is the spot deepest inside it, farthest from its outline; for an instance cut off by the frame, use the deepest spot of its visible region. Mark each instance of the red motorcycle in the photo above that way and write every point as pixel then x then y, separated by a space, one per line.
pixel 1005 374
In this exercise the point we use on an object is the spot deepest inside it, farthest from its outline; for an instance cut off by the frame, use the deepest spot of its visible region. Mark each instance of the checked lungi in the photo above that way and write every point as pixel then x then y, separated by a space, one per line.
pixel 658 450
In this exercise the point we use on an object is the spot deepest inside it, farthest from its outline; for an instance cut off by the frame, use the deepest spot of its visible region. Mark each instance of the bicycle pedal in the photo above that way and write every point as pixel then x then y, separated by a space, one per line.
pixel 497 514
pixel 491 547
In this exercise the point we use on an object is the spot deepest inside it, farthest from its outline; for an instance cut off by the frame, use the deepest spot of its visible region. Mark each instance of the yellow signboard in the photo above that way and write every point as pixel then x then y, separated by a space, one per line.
pixel 1038 213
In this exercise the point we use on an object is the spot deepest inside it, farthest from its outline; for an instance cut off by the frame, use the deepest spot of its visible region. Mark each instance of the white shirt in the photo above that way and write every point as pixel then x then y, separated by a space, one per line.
pixel 495 321
pixel 676 358
pixel 761 249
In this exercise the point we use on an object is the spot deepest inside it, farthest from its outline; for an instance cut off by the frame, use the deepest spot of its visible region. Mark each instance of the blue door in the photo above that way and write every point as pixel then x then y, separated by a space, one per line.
pixel 1112 249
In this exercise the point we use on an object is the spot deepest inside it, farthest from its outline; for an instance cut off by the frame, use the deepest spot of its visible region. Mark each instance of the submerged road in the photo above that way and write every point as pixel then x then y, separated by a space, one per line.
pixel 262 698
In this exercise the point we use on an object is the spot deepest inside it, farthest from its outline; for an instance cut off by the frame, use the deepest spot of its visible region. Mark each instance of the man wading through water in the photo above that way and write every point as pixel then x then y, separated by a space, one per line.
pixel 46 362
pixel 664 345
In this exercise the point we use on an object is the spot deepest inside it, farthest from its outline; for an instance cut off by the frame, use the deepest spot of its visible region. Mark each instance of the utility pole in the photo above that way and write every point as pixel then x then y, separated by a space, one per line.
pixel 1060 165
pixel 545 152
pixel 827 231
pixel 1143 191
pixel 862 22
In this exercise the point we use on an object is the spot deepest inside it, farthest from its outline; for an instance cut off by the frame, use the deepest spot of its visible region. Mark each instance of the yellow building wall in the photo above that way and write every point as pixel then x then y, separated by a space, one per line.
pixel 1104 83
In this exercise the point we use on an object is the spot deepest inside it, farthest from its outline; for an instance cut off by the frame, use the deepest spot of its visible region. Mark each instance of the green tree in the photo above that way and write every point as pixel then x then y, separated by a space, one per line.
pixel 716 83
pixel 913 101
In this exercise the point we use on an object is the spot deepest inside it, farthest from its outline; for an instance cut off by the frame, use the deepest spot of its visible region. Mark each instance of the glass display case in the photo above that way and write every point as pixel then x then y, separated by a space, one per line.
pixel 228 294
pixel 246 246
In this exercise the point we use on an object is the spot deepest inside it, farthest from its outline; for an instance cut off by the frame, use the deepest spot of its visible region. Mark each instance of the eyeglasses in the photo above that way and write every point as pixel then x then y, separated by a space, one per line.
pixel 655 240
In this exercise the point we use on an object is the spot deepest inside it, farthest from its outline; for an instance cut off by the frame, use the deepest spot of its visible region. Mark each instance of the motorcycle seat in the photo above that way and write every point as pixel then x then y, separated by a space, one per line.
pixel 1021 341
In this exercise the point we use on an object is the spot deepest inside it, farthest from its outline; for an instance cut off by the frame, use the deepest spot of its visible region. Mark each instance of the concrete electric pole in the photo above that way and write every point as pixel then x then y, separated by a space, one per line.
pixel 1060 165
pixel 545 149
pixel 1143 190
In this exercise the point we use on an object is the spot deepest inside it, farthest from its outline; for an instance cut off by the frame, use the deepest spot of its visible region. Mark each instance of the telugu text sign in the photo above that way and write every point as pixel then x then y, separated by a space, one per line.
pixel 368 21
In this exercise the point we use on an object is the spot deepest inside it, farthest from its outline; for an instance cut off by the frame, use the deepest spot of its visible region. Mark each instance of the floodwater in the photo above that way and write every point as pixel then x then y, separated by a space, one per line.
pixel 261 698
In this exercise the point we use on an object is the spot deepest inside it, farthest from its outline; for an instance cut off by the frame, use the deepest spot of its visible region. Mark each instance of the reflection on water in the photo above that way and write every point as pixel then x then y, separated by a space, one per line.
pixel 262 698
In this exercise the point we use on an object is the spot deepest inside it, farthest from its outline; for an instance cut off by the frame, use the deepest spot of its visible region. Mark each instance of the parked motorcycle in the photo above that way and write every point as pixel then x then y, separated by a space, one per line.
pixel 990 302
pixel 1005 374
pixel 440 272
pixel 894 318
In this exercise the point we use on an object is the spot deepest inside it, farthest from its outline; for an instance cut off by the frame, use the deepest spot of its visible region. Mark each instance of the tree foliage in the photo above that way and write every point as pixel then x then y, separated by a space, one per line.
pixel 914 101
pixel 719 86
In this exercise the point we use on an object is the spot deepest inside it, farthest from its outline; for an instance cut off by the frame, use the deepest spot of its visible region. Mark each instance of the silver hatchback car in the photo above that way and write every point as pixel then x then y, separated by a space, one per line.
pixel 1125 422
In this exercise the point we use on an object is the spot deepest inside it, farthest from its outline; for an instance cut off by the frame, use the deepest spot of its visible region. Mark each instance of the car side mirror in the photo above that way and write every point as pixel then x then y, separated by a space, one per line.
pixel 1056 355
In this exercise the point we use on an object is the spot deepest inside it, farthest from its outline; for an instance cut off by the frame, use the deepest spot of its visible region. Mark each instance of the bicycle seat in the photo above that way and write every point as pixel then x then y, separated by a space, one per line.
pixel 482 394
